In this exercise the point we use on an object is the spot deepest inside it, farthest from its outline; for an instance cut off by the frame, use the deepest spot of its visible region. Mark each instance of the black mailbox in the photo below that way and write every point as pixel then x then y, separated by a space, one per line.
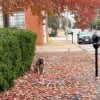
pixel 96 44
pixel 71 33
pixel 96 41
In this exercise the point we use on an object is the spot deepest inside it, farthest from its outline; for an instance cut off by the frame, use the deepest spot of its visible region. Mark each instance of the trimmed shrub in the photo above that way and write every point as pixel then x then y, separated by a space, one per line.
pixel 17 48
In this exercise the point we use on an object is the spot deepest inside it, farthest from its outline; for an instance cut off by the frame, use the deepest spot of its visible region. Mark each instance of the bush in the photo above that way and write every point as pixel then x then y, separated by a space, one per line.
pixel 17 48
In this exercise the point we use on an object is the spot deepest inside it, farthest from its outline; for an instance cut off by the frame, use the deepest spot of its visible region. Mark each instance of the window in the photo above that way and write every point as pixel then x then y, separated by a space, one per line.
pixel 1 18
pixel 17 20
pixel 99 17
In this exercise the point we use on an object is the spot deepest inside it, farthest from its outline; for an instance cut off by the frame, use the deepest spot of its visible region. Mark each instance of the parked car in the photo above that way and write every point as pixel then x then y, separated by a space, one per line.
pixel 85 36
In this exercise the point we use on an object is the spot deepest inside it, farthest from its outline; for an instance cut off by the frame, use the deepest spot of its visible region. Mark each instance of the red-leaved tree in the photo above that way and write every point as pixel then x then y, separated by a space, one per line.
pixel 84 10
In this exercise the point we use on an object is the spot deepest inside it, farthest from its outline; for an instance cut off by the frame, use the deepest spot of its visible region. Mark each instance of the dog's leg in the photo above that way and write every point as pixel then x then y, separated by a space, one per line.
pixel 42 69
pixel 35 69
pixel 38 69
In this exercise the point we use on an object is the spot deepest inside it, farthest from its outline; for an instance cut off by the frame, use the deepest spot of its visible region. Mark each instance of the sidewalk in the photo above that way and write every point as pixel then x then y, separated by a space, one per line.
pixel 58 44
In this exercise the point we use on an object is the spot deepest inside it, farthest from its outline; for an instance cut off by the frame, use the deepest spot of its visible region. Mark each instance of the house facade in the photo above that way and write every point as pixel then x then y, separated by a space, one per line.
pixel 25 20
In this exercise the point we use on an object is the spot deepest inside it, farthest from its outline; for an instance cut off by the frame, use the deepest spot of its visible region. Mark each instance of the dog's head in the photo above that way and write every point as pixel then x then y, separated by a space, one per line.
pixel 41 60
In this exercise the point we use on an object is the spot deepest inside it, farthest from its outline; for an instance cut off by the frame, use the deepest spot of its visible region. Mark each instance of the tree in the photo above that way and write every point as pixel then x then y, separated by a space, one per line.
pixel 53 22
pixel 4 5
pixel 84 10
pixel 65 22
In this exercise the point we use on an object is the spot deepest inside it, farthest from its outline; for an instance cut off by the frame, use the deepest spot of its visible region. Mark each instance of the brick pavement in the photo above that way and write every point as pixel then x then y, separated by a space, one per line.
pixel 58 46
pixel 69 75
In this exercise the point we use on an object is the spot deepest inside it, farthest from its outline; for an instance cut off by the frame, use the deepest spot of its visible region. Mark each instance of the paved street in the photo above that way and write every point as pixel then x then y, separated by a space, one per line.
pixel 89 48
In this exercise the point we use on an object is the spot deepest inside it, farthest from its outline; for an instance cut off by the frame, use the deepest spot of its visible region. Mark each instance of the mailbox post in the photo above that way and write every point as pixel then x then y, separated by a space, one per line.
pixel 72 36
pixel 96 43
pixel 71 33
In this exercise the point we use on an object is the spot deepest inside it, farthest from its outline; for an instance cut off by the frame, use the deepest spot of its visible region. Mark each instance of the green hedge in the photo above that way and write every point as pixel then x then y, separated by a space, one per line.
pixel 17 48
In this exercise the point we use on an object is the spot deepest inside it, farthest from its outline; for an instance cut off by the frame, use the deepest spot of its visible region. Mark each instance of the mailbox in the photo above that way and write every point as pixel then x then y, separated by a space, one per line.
pixel 96 41
pixel 96 44
pixel 71 33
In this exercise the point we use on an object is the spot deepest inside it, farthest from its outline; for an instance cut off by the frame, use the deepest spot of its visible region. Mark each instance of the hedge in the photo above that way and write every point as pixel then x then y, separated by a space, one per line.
pixel 17 48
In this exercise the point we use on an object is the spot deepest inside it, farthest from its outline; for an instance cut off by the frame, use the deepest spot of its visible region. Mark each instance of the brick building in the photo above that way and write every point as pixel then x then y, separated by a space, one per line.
pixel 25 20
pixel 36 25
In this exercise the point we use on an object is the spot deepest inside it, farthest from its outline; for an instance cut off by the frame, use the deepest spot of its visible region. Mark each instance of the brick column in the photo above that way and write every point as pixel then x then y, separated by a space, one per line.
pixel 33 23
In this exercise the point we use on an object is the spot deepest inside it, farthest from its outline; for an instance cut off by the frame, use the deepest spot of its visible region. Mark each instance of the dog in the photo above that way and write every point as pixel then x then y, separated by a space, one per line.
pixel 39 66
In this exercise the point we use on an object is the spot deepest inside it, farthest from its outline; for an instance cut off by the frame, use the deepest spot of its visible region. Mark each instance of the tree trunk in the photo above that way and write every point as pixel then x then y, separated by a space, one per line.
pixel 5 20
pixel 5 13
pixel 55 32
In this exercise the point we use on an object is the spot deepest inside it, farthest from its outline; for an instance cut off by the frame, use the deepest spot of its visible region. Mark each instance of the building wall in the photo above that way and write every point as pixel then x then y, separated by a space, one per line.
pixel 34 24
pixel 25 20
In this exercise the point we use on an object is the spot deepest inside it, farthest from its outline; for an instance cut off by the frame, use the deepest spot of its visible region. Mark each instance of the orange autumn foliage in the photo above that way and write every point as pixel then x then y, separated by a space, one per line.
pixel 84 10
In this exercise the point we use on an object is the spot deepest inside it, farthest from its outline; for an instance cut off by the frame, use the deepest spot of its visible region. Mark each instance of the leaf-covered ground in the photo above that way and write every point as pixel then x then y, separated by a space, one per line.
pixel 68 76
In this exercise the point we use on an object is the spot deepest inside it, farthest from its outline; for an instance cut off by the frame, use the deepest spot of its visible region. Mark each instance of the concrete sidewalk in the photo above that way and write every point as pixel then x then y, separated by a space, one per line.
pixel 58 44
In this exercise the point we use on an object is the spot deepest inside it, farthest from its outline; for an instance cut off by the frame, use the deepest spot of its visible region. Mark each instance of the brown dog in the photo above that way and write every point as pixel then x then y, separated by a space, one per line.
pixel 39 66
